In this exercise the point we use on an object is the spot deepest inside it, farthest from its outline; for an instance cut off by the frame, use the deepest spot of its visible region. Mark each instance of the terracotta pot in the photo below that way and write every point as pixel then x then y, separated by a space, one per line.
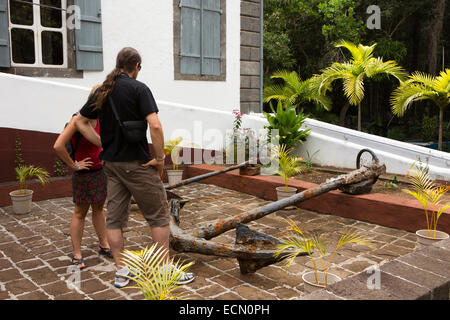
pixel 426 237
pixel 250 171
pixel 21 200
pixel 174 176
pixel 310 284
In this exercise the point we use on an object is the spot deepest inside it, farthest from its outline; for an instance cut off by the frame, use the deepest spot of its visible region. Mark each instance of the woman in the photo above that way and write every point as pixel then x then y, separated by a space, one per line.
pixel 88 184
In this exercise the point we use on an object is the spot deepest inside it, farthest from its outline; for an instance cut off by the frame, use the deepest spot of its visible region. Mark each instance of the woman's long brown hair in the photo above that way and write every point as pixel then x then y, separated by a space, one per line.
pixel 127 59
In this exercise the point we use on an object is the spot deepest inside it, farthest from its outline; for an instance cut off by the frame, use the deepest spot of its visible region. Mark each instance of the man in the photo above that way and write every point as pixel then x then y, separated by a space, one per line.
pixel 128 166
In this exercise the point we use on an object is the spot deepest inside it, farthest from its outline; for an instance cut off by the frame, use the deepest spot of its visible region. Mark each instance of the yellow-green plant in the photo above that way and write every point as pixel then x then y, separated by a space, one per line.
pixel 172 148
pixel 155 276
pixel 428 194
pixel 26 172
pixel 289 165
pixel 297 242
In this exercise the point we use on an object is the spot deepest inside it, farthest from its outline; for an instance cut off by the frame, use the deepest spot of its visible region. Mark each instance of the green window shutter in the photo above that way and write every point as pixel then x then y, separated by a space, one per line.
pixel 5 59
pixel 88 38
pixel 200 37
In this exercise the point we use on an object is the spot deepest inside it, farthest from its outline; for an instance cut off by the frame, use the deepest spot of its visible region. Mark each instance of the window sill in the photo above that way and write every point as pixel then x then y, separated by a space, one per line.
pixel 195 77
pixel 44 72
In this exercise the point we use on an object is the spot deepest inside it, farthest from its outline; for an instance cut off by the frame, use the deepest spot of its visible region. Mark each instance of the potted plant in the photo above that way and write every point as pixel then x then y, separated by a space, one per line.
pixel 155 276
pixel 298 242
pixel 430 197
pixel 22 198
pixel 172 148
pixel 243 146
pixel 288 166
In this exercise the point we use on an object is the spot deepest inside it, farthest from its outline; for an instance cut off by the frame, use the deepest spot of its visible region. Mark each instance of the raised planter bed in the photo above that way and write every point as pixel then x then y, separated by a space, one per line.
pixel 385 210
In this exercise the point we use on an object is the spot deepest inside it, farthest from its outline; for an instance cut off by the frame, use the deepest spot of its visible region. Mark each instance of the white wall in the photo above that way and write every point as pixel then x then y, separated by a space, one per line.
pixel 42 105
pixel 148 27
pixel 338 147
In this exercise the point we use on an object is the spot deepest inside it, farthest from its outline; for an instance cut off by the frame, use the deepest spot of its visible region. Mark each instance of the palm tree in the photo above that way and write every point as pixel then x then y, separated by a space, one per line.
pixel 353 73
pixel 421 86
pixel 295 90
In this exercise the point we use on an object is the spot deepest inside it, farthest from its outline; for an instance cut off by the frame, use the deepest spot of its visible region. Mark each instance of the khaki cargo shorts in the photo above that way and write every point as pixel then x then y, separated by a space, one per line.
pixel 126 179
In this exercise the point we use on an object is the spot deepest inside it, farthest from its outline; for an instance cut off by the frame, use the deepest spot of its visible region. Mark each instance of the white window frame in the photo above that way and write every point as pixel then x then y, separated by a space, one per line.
pixel 37 28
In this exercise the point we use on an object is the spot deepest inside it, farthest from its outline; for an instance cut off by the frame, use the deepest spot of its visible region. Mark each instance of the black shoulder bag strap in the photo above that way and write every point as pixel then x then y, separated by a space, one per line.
pixel 113 106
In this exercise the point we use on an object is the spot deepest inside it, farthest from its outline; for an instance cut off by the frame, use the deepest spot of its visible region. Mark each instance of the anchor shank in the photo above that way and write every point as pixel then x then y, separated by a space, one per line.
pixel 216 228
pixel 204 176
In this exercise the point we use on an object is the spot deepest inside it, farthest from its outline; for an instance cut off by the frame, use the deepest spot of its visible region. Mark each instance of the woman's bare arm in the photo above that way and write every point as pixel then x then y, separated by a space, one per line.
pixel 60 148
pixel 83 125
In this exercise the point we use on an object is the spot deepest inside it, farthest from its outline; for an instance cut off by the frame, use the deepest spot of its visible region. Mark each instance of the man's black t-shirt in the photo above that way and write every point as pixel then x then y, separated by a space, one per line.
pixel 134 101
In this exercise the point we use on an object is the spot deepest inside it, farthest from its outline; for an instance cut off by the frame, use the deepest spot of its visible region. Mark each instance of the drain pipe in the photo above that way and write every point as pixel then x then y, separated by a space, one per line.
pixel 261 57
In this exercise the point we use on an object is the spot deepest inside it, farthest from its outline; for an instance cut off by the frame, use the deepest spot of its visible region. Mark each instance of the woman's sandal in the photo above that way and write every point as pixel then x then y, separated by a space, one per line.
pixel 78 262
pixel 106 252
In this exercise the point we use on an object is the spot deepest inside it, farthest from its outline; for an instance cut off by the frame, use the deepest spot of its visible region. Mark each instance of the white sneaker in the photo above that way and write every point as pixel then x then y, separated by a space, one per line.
pixel 185 277
pixel 121 280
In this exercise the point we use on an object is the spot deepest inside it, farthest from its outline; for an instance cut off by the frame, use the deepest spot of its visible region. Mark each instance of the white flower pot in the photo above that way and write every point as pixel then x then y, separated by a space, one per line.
pixel 21 200
pixel 310 284
pixel 426 237
pixel 282 193
pixel 174 176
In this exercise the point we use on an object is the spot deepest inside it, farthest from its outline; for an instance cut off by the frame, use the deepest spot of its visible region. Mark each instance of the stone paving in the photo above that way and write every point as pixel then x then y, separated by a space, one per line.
pixel 35 251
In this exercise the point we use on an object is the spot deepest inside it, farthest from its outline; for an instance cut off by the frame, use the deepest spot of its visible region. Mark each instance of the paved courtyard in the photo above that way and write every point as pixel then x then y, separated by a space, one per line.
pixel 35 251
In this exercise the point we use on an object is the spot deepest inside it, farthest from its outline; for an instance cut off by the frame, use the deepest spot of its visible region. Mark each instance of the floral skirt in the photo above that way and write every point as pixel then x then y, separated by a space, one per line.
pixel 89 187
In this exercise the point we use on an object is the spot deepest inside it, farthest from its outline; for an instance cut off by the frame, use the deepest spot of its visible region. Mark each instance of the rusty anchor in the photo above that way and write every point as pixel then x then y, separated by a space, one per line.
pixel 253 249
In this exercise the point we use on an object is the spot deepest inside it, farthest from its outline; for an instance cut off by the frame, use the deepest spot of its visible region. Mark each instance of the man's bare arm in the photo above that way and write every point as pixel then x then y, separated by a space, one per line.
pixel 157 135
pixel 82 124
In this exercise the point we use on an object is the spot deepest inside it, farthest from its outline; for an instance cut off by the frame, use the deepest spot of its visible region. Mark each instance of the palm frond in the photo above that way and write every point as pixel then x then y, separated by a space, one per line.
pixel 278 92
pixel 354 88
pixel 354 50
pixel 390 68
pixel 154 275
pixel 427 80
pixel 352 236
pixel 443 81
pixel 405 95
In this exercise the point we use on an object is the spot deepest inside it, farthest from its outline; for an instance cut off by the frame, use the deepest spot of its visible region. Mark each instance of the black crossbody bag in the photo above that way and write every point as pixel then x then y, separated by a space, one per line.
pixel 134 131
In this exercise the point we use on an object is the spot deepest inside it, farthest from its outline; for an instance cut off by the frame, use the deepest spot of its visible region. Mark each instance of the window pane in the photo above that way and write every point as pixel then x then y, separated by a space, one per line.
pixel 22 42
pixel 51 17
pixel 52 48
pixel 21 13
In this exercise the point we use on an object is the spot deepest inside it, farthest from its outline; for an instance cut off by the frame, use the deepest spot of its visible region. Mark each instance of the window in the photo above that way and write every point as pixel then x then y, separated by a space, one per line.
pixel 38 34
pixel 199 40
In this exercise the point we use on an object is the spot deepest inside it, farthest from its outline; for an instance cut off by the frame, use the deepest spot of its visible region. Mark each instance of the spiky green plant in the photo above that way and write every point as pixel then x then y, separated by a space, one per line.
pixel 428 193
pixel 155 276
pixel 289 165
pixel 421 86
pixel 288 122
pixel 26 172
pixel 362 65
pixel 297 242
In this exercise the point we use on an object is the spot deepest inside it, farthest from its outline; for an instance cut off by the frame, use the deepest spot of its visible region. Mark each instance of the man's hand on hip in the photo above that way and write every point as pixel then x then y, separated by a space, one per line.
pixel 159 165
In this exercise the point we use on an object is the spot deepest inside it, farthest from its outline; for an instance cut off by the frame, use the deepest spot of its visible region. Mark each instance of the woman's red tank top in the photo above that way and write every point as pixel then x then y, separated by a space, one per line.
pixel 85 149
